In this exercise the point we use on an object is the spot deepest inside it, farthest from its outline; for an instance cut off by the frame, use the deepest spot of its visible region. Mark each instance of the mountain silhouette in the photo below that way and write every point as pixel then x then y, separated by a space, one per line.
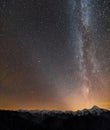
pixel 87 119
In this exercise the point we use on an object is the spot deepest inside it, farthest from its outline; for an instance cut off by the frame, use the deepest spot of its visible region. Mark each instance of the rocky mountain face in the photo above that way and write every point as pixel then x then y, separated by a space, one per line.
pixel 87 119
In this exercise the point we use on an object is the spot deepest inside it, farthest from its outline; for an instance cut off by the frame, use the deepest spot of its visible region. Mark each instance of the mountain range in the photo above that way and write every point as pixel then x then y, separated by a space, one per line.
pixel 87 119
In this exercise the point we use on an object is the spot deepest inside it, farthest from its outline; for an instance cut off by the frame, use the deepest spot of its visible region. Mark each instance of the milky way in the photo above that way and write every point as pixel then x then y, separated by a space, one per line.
pixel 89 65
pixel 92 85
pixel 87 57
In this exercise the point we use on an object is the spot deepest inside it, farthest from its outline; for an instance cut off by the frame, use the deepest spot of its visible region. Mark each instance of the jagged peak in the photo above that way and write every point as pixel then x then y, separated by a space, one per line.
pixel 95 107
pixel 95 110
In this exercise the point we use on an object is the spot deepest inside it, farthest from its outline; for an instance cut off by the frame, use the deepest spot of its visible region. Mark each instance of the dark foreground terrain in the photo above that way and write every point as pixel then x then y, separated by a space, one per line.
pixel 92 119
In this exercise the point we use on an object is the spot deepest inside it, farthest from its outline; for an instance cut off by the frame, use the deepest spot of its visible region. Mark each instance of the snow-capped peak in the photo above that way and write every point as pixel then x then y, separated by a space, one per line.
pixel 95 110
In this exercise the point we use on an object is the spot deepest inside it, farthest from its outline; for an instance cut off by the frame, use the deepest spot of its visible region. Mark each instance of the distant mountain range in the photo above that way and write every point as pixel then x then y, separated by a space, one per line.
pixel 87 119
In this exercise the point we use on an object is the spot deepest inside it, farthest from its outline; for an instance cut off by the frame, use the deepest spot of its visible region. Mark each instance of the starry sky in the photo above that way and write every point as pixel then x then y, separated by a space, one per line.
pixel 54 54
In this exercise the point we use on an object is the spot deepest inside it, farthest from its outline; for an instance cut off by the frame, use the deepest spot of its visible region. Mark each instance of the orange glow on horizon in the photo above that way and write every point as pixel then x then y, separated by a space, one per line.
pixel 104 105
pixel 69 101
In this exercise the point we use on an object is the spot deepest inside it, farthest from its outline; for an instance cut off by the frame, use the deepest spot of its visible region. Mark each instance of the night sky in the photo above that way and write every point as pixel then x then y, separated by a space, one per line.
pixel 54 54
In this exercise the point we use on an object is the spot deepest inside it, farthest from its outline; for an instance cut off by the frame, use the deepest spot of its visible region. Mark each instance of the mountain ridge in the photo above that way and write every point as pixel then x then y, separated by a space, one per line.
pixel 94 118
pixel 92 108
